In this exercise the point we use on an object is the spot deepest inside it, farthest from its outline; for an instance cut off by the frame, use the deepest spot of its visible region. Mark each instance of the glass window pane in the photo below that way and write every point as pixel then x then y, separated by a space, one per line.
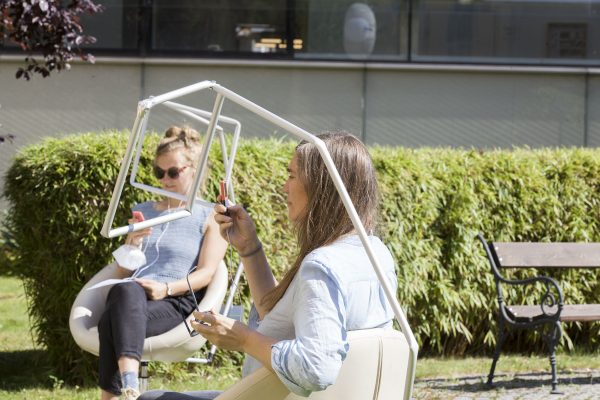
pixel 114 28
pixel 507 31
pixel 345 29
pixel 219 26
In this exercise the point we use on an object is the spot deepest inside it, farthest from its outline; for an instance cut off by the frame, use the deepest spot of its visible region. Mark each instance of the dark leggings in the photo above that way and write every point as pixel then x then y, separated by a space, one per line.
pixel 129 318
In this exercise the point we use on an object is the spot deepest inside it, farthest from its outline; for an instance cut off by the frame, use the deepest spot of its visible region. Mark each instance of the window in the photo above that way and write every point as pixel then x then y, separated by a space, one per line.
pixel 507 31
pixel 305 29
pixel 219 26
pixel 116 28
pixel 550 32
pixel 342 29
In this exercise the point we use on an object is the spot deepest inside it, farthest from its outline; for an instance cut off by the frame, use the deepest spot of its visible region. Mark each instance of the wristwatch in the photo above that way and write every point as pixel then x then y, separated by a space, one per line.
pixel 169 289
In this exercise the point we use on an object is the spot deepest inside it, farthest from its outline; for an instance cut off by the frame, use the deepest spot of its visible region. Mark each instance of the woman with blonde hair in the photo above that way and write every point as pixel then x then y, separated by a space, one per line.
pixel 298 327
pixel 158 299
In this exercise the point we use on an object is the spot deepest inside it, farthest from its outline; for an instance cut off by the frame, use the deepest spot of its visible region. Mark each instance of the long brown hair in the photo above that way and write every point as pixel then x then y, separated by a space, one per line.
pixel 325 218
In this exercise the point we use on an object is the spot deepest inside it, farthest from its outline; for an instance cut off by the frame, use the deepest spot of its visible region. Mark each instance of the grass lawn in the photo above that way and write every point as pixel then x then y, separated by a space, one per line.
pixel 24 373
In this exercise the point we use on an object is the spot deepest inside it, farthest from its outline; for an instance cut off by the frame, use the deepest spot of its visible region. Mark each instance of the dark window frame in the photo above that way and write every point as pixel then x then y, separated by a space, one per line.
pixel 408 39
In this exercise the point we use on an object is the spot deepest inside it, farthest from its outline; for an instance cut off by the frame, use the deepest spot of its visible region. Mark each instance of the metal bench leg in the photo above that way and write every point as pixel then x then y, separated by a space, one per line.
pixel 143 376
pixel 502 334
pixel 552 339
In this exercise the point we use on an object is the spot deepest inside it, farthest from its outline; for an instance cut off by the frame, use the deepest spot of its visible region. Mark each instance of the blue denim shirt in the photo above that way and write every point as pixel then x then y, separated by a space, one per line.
pixel 336 290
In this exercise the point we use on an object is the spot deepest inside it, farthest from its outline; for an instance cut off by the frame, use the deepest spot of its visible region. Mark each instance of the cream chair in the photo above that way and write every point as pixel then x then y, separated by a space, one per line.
pixel 404 360
pixel 173 345
pixel 376 368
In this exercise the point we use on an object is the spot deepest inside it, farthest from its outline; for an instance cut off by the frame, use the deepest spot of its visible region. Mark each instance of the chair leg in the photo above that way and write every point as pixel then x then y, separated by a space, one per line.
pixel 143 376
pixel 501 338
pixel 552 339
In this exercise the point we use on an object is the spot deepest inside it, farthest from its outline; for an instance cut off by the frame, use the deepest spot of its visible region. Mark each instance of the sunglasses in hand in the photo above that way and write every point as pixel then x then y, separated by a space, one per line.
pixel 172 172
pixel 191 331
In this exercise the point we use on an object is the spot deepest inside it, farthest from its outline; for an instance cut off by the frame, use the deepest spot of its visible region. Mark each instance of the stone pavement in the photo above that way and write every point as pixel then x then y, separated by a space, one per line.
pixel 576 385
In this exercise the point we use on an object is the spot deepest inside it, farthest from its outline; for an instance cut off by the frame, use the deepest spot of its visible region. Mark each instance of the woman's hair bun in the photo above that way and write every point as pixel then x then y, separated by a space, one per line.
pixel 172 131
pixel 185 134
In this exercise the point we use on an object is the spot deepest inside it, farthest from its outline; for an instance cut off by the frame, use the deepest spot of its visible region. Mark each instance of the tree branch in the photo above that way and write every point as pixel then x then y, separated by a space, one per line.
pixel 49 27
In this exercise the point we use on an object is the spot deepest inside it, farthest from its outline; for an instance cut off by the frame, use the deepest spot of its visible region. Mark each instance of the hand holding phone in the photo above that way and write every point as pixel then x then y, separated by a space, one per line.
pixel 222 198
pixel 137 215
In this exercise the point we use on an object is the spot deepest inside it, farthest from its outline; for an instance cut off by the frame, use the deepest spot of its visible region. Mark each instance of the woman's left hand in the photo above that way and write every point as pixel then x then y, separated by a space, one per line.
pixel 224 332
pixel 154 290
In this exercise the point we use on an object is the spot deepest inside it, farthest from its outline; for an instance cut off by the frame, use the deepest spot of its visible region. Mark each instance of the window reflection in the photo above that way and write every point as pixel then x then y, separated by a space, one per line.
pixel 522 31
pixel 116 27
pixel 328 28
pixel 216 26
pixel 311 29
pixel 467 31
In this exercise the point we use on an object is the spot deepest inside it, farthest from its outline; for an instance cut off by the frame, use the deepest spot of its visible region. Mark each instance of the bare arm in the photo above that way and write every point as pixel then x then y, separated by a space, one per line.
pixel 233 335
pixel 122 272
pixel 260 278
pixel 259 347
pixel 211 253
pixel 239 228
pixel 133 239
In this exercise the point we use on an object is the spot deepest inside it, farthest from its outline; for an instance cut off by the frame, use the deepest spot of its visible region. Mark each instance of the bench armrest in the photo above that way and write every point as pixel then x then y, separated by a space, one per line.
pixel 550 306
pixel 549 298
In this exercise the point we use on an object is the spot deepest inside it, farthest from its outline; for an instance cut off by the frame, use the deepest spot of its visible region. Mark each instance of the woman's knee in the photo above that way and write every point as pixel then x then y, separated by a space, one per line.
pixel 125 292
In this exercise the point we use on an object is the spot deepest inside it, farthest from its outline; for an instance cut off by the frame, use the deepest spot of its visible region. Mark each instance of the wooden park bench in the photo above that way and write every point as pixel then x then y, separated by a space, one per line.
pixel 551 310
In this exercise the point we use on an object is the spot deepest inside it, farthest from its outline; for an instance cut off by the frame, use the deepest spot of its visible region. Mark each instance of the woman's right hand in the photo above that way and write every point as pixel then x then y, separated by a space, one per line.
pixel 136 238
pixel 237 228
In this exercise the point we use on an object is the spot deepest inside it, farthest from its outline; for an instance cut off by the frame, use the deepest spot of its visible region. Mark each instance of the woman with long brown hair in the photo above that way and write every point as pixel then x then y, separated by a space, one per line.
pixel 298 327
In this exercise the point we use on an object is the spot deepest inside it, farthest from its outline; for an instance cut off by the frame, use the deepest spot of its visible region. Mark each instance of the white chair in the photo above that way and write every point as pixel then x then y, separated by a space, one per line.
pixel 406 358
pixel 173 345
pixel 376 368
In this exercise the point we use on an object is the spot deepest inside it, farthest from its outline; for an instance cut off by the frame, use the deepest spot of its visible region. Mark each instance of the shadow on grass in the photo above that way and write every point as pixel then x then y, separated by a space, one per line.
pixel 26 369
pixel 518 381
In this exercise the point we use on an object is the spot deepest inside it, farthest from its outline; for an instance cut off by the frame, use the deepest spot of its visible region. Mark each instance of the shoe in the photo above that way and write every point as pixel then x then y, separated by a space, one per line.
pixel 130 393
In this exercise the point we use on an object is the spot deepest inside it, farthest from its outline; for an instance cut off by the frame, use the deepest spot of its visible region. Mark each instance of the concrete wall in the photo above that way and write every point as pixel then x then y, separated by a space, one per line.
pixel 475 109
pixel 384 104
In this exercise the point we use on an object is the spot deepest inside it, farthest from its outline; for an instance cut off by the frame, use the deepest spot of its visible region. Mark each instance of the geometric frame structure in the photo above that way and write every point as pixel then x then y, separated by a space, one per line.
pixel 223 93
pixel 136 139
pixel 199 116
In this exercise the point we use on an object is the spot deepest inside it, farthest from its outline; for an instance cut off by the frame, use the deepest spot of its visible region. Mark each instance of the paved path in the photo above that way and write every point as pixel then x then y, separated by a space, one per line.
pixel 576 385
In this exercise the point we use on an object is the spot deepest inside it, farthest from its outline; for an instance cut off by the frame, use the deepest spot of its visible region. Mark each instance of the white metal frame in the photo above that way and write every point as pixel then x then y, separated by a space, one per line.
pixel 144 107
pixel 195 114
pixel 136 138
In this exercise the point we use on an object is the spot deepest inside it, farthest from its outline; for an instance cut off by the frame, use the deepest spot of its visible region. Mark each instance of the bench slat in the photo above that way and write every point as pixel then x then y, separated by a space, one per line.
pixel 535 254
pixel 570 312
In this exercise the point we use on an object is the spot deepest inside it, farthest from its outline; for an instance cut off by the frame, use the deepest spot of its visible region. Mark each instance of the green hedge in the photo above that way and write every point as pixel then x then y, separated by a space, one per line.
pixel 434 201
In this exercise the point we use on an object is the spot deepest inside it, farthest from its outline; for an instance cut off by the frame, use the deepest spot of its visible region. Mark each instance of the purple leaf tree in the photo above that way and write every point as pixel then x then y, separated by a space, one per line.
pixel 50 28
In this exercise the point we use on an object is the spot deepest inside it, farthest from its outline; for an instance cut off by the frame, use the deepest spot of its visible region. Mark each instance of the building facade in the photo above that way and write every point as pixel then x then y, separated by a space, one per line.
pixel 462 73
